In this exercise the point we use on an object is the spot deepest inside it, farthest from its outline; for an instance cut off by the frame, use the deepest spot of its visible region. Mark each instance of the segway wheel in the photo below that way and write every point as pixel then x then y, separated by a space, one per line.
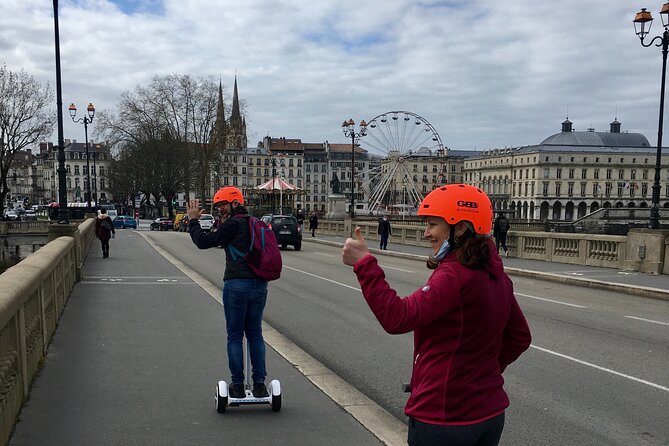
pixel 221 401
pixel 276 403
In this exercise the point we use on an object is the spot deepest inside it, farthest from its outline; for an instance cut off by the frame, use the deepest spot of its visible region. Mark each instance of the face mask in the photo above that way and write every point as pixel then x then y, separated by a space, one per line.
pixel 443 251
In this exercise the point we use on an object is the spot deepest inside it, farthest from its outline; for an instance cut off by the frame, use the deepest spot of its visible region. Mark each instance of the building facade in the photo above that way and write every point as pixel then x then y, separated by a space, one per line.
pixel 570 174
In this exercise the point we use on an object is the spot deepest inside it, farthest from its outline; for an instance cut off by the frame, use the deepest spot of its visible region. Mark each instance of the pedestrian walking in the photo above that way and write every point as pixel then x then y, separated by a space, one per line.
pixel 467 324
pixel 313 223
pixel 384 231
pixel 104 230
pixel 500 228
pixel 300 219
pixel 244 293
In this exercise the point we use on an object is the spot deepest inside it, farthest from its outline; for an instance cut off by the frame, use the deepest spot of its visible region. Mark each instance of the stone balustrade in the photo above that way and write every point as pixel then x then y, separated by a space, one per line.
pixel 33 294
pixel 642 250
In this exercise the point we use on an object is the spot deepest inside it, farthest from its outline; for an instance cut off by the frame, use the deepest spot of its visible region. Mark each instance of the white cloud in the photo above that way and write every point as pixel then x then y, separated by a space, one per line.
pixel 484 73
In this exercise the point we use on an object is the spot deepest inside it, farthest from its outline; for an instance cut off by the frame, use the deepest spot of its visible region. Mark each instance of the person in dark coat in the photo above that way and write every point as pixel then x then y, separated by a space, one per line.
pixel 300 218
pixel 104 230
pixel 500 228
pixel 313 224
pixel 385 231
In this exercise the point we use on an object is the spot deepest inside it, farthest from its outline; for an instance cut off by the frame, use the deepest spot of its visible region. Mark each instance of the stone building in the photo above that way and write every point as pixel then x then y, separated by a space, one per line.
pixel 570 174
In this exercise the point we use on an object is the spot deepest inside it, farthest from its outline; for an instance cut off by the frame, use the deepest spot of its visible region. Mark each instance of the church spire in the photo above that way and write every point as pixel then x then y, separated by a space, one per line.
pixel 218 132
pixel 237 124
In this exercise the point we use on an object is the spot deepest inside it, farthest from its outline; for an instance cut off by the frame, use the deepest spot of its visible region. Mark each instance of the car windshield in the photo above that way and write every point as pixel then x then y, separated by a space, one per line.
pixel 206 217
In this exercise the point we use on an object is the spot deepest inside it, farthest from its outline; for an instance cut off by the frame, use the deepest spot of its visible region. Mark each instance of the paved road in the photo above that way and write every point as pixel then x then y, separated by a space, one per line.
pixel 596 373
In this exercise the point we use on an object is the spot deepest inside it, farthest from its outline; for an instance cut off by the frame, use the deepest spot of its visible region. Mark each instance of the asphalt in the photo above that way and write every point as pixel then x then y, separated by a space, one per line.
pixel 141 346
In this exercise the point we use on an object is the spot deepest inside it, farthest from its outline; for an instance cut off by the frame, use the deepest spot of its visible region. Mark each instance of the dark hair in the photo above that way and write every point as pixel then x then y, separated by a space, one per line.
pixel 473 251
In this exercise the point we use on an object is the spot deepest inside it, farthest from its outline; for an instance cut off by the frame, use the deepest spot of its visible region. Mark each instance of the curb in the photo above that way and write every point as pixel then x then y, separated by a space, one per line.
pixel 636 290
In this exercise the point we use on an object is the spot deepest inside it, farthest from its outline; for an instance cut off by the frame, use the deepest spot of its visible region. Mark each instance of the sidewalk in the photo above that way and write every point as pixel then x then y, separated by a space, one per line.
pixel 135 360
pixel 641 284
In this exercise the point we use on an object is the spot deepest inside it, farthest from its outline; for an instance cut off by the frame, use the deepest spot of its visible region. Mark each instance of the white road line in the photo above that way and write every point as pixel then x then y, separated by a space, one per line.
pixel 323 254
pixel 647 320
pixel 604 369
pixel 322 278
pixel 398 269
pixel 551 300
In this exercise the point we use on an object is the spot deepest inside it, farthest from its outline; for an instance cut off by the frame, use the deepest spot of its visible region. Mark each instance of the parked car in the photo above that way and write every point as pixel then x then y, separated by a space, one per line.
pixel 30 215
pixel 125 221
pixel 11 215
pixel 162 224
pixel 286 229
pixel 206 222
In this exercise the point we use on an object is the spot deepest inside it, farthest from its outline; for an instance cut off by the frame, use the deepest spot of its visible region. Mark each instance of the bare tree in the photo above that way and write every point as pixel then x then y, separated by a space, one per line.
pixel 175 110
pixel 24 119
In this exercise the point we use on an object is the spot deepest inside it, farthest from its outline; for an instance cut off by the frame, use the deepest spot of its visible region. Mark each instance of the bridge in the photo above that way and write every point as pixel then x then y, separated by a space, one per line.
pixel 127 350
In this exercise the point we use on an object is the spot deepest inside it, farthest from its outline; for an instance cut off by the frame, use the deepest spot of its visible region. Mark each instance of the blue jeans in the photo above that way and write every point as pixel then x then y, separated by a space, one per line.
pixel 243 303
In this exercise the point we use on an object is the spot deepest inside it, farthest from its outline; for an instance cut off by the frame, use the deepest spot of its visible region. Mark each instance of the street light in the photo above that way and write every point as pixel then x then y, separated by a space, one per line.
pixel 348 127
pixel 87 119
pixel 63 213
pixel 642 23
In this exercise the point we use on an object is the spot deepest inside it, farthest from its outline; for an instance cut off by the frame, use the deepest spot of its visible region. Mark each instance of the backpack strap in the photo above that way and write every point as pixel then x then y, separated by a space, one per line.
pixel 236 253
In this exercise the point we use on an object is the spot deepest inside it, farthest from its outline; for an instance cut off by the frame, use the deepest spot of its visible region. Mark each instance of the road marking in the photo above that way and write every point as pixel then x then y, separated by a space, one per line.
pixel 322 278
pixel 109 282
pixel 626 273
pixel 647 320
pixel 604 369
pixel 398 269
pixel 551 300
pixel 575 274
pixel 388 429
pixel 323 254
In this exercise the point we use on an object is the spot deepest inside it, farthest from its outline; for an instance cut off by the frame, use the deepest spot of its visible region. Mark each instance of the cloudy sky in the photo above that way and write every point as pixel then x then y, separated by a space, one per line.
pixel 484 73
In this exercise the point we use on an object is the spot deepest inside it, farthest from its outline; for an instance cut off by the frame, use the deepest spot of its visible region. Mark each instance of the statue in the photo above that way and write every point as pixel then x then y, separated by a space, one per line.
pixel 334 183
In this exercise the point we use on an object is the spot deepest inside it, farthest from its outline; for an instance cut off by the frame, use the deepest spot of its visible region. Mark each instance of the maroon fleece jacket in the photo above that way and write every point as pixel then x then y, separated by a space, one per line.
pixel 467 328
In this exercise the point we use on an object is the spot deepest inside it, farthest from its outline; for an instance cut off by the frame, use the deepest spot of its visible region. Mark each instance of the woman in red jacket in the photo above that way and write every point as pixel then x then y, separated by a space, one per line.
pixel 466 321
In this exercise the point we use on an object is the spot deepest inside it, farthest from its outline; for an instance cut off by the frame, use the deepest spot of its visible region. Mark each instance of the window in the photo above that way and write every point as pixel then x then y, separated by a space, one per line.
pixel 545 188
pixel 546 172
pixel 76 170
pixel 596 174
pixel 621 174
pixel 584 174
pixel 644 190
pixel 607 189
pixel 644 174
pixel 633 174
pixel 595 189
pixel 558 187
pixel 558 173
pixel 608 174
pixel 583 186
pixel 620 189
pixel 570 189
pixel 571 173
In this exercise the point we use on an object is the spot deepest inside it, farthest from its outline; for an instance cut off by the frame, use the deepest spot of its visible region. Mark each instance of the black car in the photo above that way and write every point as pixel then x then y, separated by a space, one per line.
pixel 286 230
pixel 162 224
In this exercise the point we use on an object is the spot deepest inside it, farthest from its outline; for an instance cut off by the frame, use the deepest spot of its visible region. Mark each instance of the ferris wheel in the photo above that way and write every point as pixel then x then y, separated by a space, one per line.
pixel 394 140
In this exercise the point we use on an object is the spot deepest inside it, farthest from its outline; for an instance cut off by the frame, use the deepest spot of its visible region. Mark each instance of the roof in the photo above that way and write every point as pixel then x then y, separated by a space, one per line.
pixel 597 139
pixel 345 148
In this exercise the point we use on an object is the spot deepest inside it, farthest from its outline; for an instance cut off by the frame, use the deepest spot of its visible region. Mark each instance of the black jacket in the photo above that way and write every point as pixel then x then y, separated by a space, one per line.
pixel 233 231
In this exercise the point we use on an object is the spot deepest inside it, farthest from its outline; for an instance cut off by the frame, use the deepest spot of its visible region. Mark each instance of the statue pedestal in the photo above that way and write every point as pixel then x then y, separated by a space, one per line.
pixel 336 206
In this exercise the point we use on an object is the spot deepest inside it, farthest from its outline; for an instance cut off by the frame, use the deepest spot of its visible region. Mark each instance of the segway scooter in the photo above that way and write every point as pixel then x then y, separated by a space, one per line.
pixel 223 400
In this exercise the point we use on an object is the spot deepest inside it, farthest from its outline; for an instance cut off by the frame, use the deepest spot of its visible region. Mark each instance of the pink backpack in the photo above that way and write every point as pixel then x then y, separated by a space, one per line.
pixel 263 255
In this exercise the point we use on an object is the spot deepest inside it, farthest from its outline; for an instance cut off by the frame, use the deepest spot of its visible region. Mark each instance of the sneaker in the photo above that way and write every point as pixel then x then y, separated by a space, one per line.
pixel 237 391
pixel 259 390
pixel 506 254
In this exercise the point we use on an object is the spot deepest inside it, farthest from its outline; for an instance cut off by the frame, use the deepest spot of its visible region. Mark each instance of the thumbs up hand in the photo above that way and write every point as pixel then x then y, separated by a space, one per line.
pixel 354 249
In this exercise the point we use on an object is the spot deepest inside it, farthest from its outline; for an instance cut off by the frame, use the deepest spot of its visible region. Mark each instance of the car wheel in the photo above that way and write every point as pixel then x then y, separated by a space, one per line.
pixel 297 246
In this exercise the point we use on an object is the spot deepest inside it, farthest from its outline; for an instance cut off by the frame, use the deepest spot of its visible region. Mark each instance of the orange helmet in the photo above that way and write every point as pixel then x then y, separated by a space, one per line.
pixel 459 202
pixel 228 194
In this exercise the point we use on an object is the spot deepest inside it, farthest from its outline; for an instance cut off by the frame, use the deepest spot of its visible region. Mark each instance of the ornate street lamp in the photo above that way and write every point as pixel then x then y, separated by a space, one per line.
pixel 87 119
pixel 348 127
pixel 642 23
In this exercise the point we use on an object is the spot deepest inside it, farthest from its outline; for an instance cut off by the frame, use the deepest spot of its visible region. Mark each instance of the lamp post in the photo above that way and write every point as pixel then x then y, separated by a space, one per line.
pixel 348 127
pixel 642 23
pixel 63 214
pixel 87 119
